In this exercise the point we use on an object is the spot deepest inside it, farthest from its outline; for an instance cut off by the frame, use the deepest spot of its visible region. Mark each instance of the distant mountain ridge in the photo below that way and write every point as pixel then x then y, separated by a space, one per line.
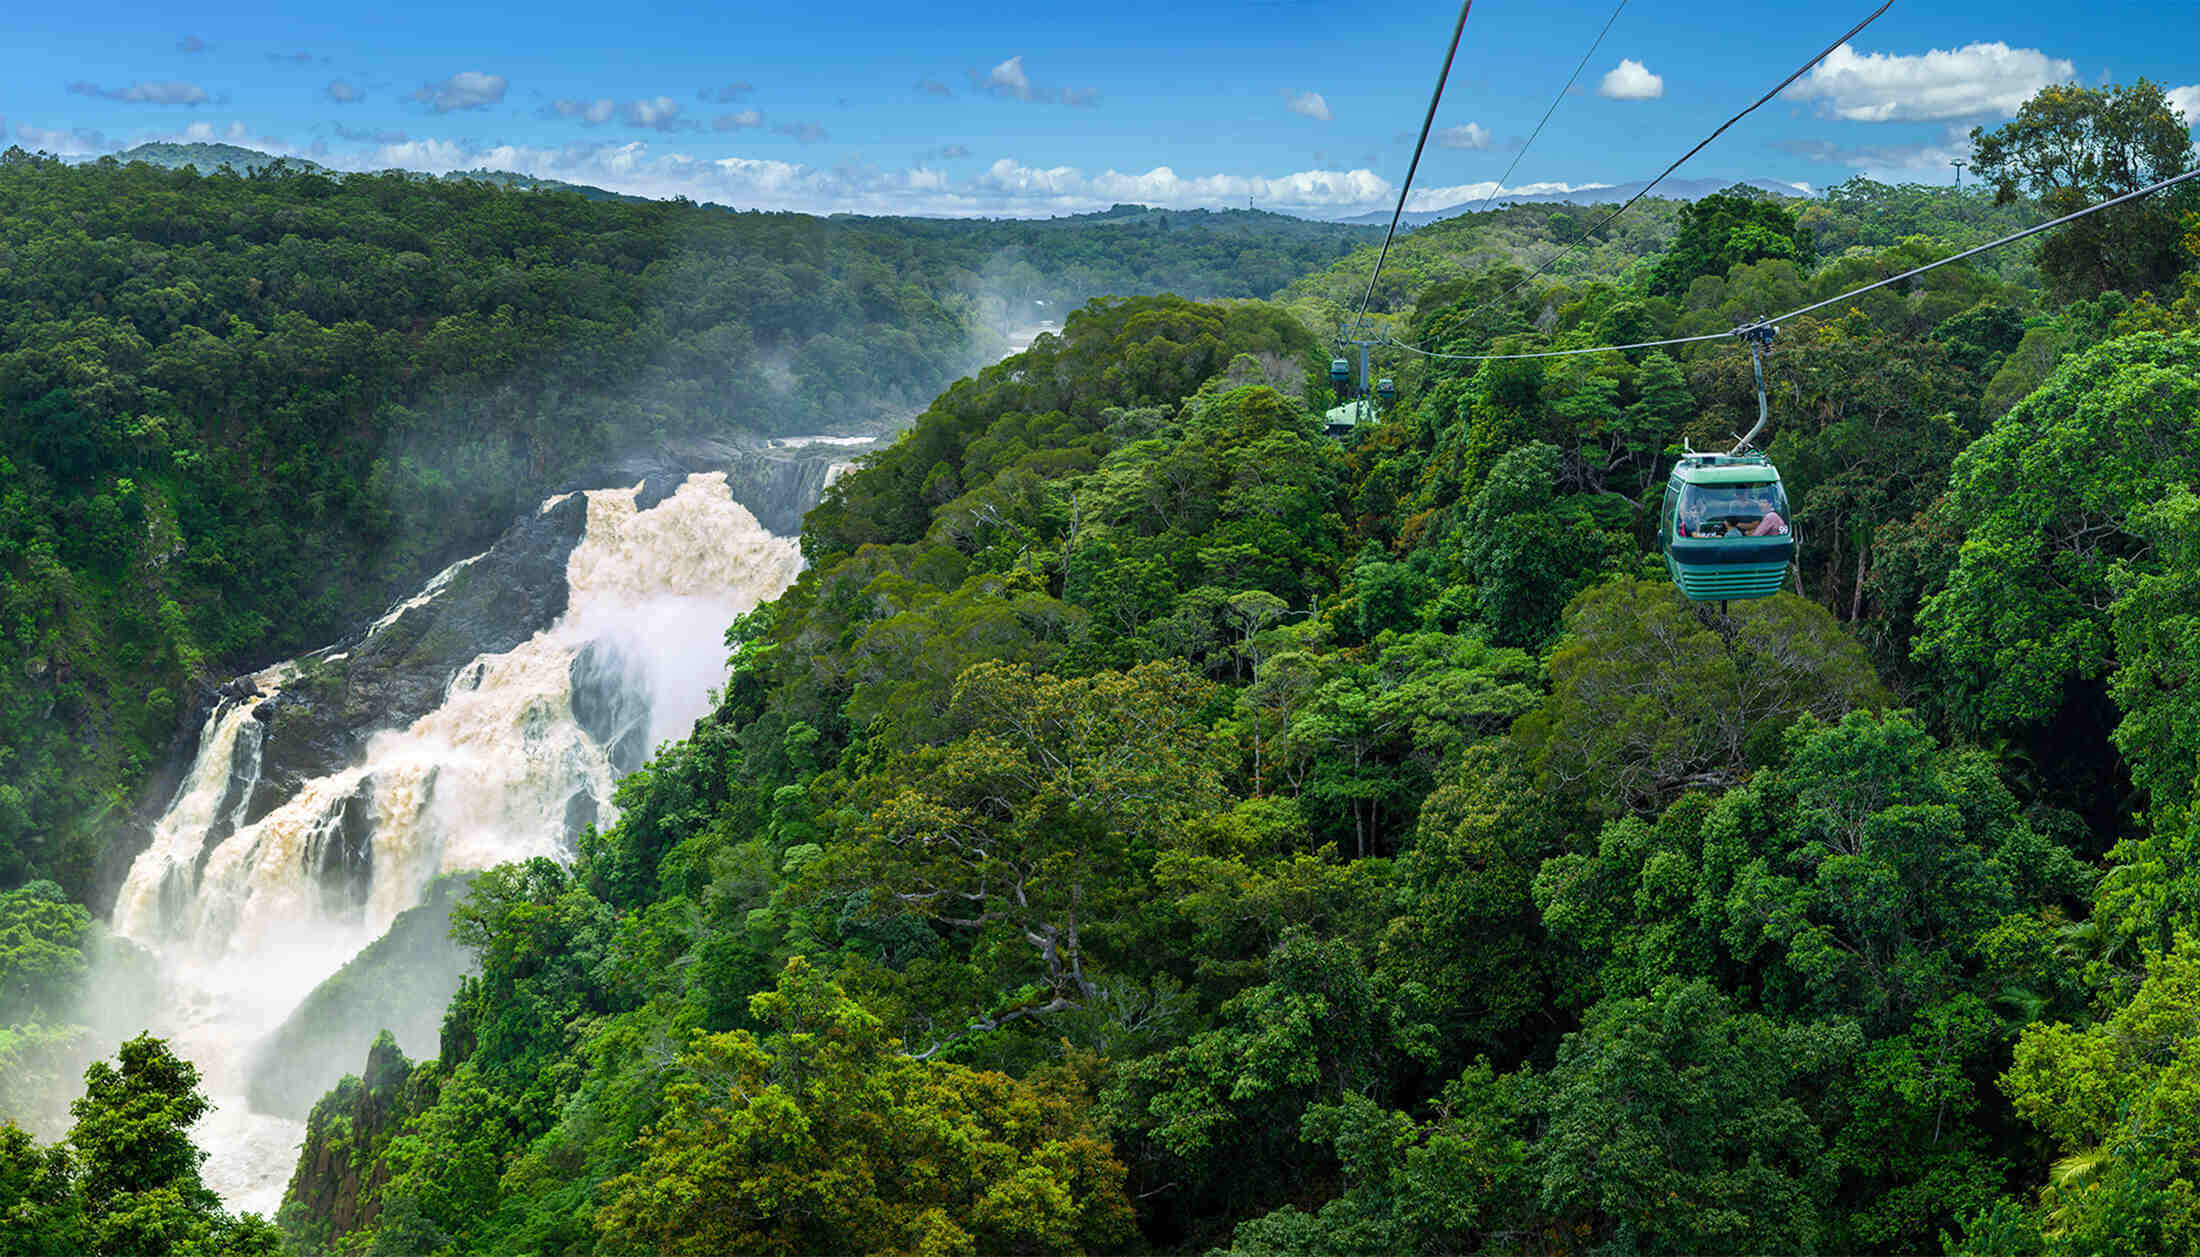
pixel 1592 194
pixel 211 157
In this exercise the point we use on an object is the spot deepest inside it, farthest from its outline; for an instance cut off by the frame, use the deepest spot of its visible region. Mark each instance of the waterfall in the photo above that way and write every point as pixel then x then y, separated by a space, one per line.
pixel 251 898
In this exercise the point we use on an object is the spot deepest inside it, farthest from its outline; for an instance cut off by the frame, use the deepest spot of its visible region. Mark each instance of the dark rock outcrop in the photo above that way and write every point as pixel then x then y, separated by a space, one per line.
pixel 337 1187
pixel 611 702
pixel 321 720
pixel 340 853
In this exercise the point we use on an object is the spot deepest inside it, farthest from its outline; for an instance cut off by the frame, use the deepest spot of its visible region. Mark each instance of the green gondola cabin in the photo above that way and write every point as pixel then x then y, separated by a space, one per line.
pixel 1724 528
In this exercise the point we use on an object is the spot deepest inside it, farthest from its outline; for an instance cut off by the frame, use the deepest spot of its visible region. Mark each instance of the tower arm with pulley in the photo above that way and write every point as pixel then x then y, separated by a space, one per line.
pixel 1759 335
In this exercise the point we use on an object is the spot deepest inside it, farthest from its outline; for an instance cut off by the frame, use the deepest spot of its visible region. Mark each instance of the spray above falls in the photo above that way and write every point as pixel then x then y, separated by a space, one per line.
pixel 484 720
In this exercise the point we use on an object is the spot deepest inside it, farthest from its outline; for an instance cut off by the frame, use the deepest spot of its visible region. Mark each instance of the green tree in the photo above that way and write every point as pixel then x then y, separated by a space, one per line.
pixel 2046 500
pixel 1872 881
pixel 1651 695
pixel 2072 145
pixel 1032 834
pixel 1467 951
pixel 1314 1033
pixel 2156 618
pixel 42 964
pixel 822 1137
pixel 1529 549
pixel 2116 1103
pixel 126 1182
pixel 1678 1124
pixel 1726 230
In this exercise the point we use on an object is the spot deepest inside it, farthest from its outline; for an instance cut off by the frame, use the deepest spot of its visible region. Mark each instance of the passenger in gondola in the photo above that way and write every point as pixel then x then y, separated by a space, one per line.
pixel 1771 525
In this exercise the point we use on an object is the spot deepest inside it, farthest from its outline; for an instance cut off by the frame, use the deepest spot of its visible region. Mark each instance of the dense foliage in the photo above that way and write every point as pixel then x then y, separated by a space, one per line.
pixel 125 1183
pixel 1149 823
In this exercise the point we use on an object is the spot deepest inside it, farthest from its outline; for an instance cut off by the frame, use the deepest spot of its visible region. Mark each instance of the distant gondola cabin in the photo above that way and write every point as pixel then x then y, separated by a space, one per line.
pixel 1725 529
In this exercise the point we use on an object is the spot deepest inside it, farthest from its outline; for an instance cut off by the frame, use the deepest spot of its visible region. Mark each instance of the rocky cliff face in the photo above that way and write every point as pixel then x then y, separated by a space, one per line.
pixel 337 1186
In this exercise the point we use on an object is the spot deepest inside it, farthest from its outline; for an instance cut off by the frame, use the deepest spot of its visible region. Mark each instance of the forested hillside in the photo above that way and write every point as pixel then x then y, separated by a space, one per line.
pixel 1150 824
pixel 1579 249
pixel 240 412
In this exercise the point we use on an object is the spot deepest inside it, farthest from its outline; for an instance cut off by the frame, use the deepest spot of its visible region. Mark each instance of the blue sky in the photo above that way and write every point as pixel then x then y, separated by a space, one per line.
pixel 1026 109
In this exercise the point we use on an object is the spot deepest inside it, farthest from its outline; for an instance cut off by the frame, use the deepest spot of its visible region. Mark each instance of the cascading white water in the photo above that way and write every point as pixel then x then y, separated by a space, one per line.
pixel 243 917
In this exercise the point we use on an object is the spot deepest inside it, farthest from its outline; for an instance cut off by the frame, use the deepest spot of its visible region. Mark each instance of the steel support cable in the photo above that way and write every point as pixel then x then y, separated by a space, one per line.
pixel 1814 306
pixel 1557 353
pixel 1427 121
pixel 1579 66
pixel 1606 221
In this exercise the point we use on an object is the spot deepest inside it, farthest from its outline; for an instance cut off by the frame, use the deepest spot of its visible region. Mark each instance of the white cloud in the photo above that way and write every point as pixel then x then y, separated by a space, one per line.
pixel 1465 135
pixel 234 133
pixel 727 94
pixel 190 43
pixel 593 112
pixel 78 142
pixel 741 121
pixel 424 154
pixel 1967 82
pixel 933 87
pixel 764 176
pixel 654 113
pixel 468 89
pixel 658 113
pixel 1308 104
pixel 1009 78
pixel 1631 80
pixel 1064 189
pixel 801 132
pixel 1009 175
pixel 2186 100
pixel 146 93
pixel 362 133
pixel 344 93
pixel 1459 193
